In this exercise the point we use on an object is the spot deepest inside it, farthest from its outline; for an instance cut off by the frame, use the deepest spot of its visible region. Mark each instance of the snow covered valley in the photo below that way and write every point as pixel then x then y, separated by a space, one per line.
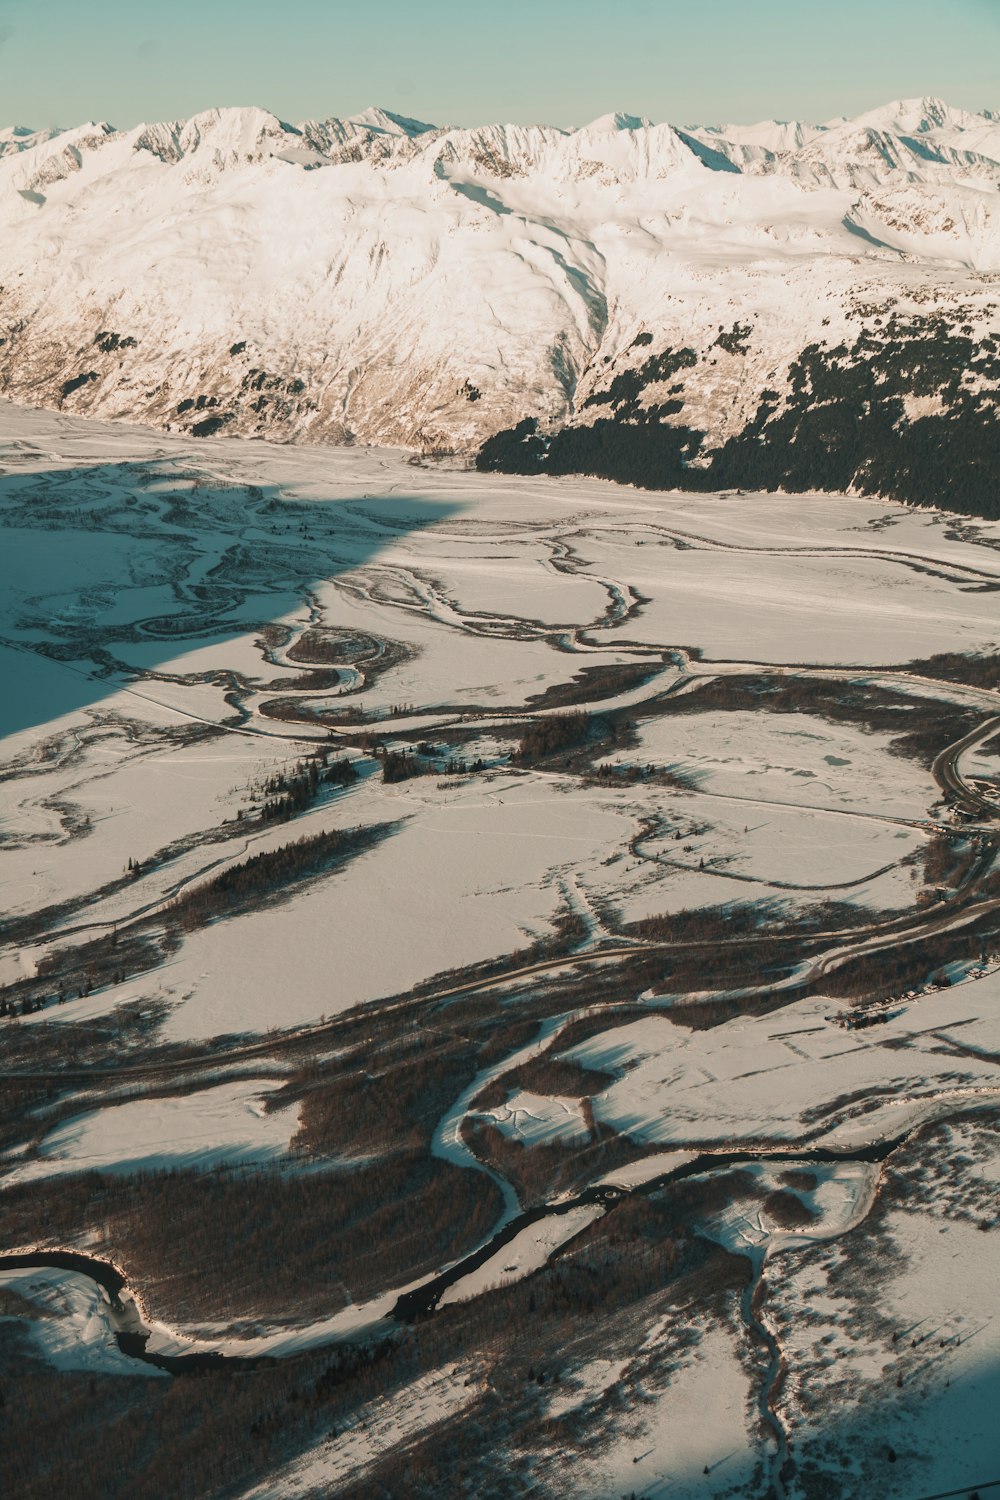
pixel 501 980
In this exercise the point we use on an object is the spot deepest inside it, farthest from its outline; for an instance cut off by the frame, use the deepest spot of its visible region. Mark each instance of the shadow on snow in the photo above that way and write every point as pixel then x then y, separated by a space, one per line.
pixel 116 569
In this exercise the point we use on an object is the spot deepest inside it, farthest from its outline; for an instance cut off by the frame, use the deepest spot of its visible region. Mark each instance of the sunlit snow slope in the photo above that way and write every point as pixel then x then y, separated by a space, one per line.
pixel 380 279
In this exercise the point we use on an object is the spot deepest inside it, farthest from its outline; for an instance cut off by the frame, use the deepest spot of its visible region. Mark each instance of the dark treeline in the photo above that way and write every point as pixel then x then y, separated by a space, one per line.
pixel 545 1074
pixel 704 924
pixel 210 1244
pixel 887 973
pixel 269 874
pixel 288 793
pixel 787 1210
pixel 111 1437
pixel 978 669
pixel 842 426
pixel 401 765
pixel 543 1171
pixel 374 1112
pixel 591 684
pixel 100 1437
pixel 67 973
pixel 948 861
pixel 550 735
pixel 609 773
pixel 921 728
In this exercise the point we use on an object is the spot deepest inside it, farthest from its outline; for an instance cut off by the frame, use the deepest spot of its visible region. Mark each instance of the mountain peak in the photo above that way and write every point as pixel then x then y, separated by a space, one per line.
pixel 14 138
pixel 915 116
pixel 506 268
pixel 387 121
pixel 617 121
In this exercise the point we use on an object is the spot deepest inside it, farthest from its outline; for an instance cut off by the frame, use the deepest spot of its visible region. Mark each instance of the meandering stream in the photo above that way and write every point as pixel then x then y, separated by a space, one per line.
pixel 133 1336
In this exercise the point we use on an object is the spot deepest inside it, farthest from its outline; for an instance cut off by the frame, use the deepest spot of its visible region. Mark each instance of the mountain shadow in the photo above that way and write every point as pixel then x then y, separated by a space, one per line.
pixel 111 571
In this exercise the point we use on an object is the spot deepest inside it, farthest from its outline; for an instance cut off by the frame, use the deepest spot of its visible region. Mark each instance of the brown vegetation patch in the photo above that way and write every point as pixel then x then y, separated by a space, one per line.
pixel 958 666
pixel 112 1437
pixel 550 736
pixel 592 684
pixel 948 861
pixel 261 1243
pixel 799 1179
pixel 787 1210
pixel 887 973
pixel 541 1172
pixel 272 874
pixel 545 1075
pixel 922 728
pixel 364 1114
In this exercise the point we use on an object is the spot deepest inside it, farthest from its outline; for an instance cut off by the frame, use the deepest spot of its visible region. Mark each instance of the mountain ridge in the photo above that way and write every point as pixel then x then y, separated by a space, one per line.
pixel 382 280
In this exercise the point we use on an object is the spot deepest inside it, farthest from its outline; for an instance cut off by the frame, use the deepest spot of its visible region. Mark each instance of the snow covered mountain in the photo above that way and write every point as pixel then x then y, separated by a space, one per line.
pixel 380 279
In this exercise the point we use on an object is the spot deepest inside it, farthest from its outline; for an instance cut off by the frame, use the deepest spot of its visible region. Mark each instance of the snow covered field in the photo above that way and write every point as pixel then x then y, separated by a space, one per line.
pixel 68 1321
pixel 798 1074
pixel 460 577
pixel 185 623
pixel 224 1124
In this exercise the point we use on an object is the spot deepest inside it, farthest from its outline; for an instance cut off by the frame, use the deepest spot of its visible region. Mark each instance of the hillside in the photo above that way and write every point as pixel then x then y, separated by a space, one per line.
pixel 777 305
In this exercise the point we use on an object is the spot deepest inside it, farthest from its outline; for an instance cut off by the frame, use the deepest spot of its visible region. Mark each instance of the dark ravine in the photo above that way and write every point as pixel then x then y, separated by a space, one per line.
pixel 753 1294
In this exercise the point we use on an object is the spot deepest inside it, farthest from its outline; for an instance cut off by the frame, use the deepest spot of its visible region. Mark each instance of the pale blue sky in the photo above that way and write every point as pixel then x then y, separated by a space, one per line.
pixel 473 61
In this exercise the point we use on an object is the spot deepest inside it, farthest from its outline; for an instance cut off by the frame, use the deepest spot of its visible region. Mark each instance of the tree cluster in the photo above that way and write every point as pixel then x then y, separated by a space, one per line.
pixel 266 875
pixel 843 425
pixel 288 793
pixel 548 736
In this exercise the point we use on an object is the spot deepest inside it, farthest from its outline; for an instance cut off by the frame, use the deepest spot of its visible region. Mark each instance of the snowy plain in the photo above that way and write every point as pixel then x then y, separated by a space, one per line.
pixel 500 848
pixel 164 604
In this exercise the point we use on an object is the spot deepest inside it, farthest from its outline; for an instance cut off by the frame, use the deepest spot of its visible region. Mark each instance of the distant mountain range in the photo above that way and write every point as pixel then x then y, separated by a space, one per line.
pixel 782 304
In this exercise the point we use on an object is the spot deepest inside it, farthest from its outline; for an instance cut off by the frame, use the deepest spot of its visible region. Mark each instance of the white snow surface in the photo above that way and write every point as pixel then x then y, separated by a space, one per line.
pixel 907 1356
pixel 528 1251
pixel 667 1430
pixel 71 1326
pixel 381 279
pixel 388 1422
pixel 116 531
pixel 228 1123
pixel 491 591
pixel 775 1078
